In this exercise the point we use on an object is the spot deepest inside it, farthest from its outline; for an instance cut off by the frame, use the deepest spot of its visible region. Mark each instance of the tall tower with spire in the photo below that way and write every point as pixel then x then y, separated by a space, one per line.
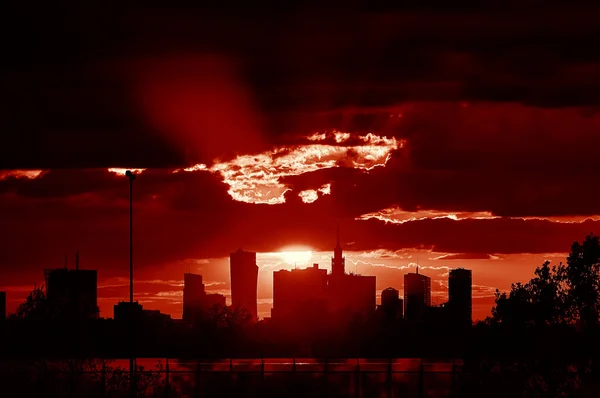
pixel 338 262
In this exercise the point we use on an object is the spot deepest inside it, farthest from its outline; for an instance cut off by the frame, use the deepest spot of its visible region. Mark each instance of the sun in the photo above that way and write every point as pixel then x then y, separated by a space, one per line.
pixel 296 257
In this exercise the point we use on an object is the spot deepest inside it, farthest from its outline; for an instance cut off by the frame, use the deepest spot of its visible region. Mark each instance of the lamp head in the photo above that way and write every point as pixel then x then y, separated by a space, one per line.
pixel 129 174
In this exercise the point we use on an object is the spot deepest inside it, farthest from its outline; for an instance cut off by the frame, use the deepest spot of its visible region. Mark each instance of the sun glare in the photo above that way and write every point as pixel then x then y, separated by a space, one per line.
pixel 296 257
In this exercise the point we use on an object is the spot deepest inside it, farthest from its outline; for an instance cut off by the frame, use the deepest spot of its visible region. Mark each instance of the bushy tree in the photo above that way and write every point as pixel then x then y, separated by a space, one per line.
pixel 561 294
pixel 35 306
pixel 583 280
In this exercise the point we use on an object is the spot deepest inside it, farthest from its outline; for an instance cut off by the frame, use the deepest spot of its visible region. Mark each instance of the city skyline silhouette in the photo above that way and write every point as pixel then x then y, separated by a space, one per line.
pixel 348 190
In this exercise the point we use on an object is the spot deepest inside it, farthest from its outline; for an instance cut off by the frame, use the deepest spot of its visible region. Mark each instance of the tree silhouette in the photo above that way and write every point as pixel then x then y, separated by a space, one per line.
pixel 583 280
pixel 561 294
pixel 35 306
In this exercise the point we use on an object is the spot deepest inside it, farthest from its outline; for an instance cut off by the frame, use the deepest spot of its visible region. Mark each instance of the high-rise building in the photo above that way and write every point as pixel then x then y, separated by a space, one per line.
pixel 312 297
pixel 72 293
pixel 193 296
pixel 244 281
pixel 417 295
pixel 299 296
pixel 460 297
pixel 391 303
pixel 352 294
pixel 2 306
pixel 196 302
pixel 349 293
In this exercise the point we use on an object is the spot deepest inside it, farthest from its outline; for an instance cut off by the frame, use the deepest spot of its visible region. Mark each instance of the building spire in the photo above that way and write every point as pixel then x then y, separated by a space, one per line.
pixel 338 262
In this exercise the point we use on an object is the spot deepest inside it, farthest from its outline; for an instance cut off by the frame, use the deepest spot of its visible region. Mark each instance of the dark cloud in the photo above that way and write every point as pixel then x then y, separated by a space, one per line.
pixel 70 97
pixel 189 215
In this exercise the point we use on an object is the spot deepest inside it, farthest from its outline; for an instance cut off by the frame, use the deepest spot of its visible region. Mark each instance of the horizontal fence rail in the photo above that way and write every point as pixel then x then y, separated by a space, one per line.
pixel 277 377
pixel 344 377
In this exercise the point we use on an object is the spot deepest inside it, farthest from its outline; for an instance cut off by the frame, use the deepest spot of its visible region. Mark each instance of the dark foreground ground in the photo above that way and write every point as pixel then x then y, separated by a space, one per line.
pixel 298 377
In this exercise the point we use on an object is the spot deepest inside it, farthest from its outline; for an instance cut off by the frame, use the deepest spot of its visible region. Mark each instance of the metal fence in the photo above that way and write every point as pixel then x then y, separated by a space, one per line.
pixel 264 377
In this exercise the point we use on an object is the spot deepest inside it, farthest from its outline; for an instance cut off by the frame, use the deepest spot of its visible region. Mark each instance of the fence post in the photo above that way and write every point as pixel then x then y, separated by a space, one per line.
pixel 231 378
pixel 357 379
pixel 198 378
pixel 132 377
pixel 294 378
pixel 453 380
pixel 167 385
pixel 389 378
pixel 421 379
pixel 103 378
pixel 41 388
pixel 71 366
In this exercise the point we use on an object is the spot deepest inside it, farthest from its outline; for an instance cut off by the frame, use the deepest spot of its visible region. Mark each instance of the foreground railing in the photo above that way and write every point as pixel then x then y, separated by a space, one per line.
pixel 297 377
pixel 237 377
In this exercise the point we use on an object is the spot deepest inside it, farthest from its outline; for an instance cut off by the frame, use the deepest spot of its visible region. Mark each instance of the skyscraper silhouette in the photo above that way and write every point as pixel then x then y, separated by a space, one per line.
pixel 72 293
pixel 299 296
pixel 244 281
pixel 193 296
pixel 349 293
pixel 460 297
pixel 391 304
pixel 196 303
pixel 417 295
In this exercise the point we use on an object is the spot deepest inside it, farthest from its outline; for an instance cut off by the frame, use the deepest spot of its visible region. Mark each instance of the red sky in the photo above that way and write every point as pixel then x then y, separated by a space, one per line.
pixel 463 138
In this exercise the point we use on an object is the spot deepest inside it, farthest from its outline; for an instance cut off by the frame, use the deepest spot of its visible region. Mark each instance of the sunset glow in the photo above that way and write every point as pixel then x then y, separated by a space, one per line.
pixel 296 257
pixel 29 174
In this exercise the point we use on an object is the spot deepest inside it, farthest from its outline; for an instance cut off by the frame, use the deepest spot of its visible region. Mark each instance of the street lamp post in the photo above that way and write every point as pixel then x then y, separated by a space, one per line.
pixel 130 313
pixel 131 177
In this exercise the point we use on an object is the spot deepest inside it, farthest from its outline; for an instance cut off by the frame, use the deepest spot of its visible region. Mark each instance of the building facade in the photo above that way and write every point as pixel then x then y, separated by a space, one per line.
pixel 417 295
pixel 193 296
pixel 460 301
pixel 392 306
pixel 312 296
pixel 196 302
pixel 244 281
pixel 299 296
pixel 72 293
